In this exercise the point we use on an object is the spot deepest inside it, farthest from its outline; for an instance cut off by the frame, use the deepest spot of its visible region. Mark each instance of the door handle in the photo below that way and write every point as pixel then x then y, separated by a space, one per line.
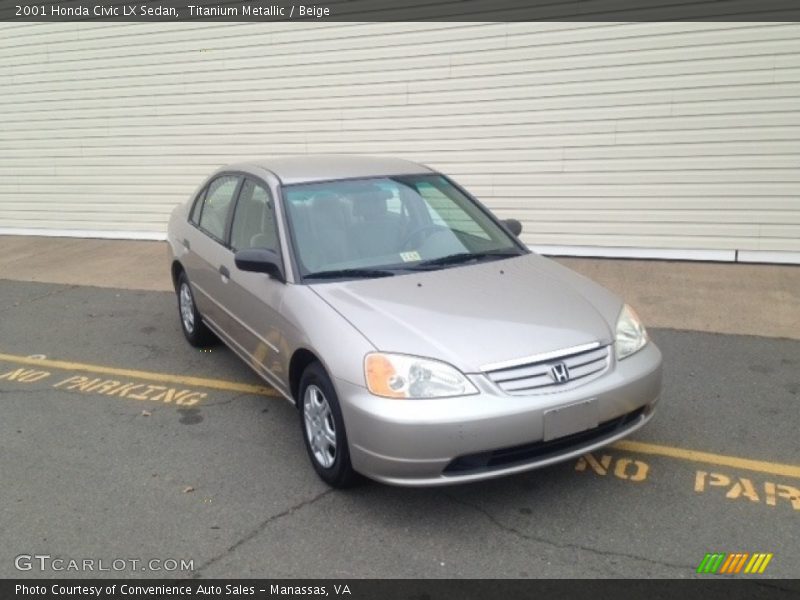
pixel 223 270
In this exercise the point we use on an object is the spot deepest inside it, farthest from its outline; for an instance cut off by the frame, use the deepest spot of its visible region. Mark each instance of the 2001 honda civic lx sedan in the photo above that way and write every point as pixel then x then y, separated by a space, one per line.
pixel 421 341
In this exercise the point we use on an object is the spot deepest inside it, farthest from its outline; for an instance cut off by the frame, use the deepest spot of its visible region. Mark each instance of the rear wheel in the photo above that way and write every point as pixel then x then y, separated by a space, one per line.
pixel 323 428
pixel 195 331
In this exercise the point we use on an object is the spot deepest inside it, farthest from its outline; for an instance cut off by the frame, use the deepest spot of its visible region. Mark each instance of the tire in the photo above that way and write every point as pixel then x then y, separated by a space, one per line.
pixel 195 331
pixel 323 428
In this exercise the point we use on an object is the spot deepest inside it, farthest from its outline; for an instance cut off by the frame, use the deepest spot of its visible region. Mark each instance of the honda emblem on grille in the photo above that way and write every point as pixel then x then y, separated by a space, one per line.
pixel 560 373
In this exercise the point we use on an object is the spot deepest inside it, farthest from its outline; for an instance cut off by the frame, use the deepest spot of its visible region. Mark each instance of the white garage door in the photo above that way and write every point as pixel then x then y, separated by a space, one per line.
pixel 639 139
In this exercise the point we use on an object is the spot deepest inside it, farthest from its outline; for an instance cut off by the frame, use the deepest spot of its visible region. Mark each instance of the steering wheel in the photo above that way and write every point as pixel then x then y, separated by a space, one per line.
pixel 418 231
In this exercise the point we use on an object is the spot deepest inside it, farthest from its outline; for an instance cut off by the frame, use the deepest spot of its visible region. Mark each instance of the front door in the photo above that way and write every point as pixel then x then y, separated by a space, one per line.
pixel 255 299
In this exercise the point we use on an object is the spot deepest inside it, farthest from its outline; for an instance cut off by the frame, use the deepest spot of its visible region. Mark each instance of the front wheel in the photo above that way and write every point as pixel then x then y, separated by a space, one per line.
pixel 323 428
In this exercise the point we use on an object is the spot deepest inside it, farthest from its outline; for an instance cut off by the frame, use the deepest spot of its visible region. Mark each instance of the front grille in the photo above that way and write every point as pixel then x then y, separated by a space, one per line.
pixel 506 457
pixel 536 377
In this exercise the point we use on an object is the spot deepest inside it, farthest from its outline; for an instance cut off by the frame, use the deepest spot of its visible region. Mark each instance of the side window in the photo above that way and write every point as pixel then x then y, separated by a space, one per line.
pixel 198 204
pixel 216 204
pixel 254 219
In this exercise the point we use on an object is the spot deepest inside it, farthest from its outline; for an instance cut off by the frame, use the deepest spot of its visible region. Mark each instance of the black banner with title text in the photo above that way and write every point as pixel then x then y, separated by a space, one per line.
pixel 413 589
pixel 394 10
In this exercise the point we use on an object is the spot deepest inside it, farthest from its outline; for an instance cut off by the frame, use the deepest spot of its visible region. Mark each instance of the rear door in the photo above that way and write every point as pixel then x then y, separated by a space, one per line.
pixel 208 249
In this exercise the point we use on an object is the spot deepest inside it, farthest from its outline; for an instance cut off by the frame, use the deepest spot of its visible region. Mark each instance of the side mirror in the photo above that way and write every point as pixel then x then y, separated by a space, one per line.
pixel 513 226
pixel 260 260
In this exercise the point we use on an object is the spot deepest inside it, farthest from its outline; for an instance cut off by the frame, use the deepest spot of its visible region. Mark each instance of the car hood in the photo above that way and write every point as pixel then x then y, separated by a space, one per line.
pixel 474 315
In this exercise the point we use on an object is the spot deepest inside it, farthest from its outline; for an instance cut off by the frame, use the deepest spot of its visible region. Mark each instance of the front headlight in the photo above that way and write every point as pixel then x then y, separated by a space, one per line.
pixel 631 334
pixel 403 376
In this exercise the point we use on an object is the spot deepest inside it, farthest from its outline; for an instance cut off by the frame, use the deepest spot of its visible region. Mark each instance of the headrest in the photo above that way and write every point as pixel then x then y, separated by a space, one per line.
pixel 327 205
pixel 370 202
pixel 325 201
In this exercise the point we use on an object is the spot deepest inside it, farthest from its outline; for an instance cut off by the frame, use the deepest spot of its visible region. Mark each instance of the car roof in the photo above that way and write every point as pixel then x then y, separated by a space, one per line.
pixel 309 168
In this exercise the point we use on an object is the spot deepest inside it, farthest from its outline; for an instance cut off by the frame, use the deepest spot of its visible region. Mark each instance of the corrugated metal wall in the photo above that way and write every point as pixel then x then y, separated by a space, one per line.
pixel 677 136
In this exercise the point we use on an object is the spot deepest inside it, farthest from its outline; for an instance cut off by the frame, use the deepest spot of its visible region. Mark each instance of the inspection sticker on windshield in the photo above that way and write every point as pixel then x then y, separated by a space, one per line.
pixel 410 256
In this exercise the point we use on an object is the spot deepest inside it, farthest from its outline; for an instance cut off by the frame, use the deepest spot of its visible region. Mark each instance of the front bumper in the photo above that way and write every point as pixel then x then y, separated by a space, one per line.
pixel 490 434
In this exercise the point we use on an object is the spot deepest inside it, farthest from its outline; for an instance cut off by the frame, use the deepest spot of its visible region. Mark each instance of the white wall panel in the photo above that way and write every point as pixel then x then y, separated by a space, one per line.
pixel 663 139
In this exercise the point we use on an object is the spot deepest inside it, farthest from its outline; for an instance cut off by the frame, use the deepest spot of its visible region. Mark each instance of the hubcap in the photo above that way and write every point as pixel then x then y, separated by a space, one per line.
pixel 187 307
pixel 320 427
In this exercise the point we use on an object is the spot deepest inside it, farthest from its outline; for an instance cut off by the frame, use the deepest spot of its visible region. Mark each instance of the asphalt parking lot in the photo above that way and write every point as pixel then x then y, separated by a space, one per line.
pixel 119 440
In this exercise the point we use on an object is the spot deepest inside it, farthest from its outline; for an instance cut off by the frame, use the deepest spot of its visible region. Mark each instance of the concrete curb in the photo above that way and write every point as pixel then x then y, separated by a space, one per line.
pixel 761 300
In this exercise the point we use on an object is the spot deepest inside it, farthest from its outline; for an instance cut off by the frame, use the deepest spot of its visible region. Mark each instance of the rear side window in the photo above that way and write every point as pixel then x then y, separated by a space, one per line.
pixel 198 205
pixel 216 204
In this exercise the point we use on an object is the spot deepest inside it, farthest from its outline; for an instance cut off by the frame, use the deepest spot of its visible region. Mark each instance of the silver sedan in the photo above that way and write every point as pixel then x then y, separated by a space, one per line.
pixel 421 341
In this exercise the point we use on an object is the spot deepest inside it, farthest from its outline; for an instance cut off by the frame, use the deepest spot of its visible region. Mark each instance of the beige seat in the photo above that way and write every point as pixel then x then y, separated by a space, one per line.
pixel 256 224
pixel 328 223
pixel 377 232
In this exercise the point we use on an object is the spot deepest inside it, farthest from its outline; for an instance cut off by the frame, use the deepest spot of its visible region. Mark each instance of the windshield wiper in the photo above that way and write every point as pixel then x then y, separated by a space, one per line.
pixel 464 257
pixel 343 273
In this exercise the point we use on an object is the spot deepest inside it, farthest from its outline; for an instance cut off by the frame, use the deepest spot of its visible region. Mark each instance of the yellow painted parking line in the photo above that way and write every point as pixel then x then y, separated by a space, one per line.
pixel 217 384
pixel 221 384
pixel 709 458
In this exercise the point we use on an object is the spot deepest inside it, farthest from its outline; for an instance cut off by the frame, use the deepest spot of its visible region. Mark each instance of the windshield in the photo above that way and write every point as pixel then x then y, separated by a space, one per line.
pixel 383 226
